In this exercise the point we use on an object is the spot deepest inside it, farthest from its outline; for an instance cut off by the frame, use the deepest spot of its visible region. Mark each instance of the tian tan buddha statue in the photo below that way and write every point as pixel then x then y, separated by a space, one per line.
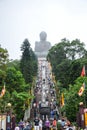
pixel 42 47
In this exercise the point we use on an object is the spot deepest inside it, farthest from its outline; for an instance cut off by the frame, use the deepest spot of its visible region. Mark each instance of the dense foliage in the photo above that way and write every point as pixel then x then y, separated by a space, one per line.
pixel 66 65
pixel 67 59
pixel 18 86
pixel 28 63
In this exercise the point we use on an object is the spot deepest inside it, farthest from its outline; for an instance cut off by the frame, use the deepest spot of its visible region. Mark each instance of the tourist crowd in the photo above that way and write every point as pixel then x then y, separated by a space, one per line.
pixel 39 124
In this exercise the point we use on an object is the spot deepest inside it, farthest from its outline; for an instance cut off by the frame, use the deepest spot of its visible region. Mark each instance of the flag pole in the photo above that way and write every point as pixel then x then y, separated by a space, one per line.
pixel 81 91
pixel 85 86
pixel 85 99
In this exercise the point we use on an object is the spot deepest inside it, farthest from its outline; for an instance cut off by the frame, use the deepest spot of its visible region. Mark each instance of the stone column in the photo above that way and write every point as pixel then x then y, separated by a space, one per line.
pixel 8 121
pixel 80 116
pixel 13 122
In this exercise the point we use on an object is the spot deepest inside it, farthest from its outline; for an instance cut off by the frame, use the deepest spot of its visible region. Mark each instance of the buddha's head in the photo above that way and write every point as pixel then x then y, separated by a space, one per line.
pixel 43 36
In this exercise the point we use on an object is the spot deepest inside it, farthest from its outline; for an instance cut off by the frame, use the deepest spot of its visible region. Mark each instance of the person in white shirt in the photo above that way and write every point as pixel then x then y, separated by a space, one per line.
pixel 69 127
pixel 17 127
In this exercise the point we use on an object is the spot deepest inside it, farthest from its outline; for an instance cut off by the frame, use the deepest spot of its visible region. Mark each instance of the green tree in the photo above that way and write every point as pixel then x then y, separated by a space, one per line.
pixel 14 80
pixel 56 52
pixel 72 99
pixel 66 55
pixel 34 62
pixel 63 72
pixel 2 76
pixel 67 59
pixel 76 68
pixel 3 58
pixel 20 102
pixel 28 62
pixel 75 49
pixel 14 63
pixel 18 90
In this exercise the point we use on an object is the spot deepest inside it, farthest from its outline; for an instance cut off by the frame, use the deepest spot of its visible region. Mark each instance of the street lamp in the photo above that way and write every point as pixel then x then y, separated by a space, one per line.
pixel 8 119
pixel 9 105
pixel 11 119
pixel 80 116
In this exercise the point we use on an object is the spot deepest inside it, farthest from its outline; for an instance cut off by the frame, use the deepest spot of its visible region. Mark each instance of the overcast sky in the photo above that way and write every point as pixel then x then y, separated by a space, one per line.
pixel 20 19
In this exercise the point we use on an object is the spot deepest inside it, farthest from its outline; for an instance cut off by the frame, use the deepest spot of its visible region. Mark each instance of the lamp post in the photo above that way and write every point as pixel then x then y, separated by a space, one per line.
pixel 13 121
pixel 80 116
pixel 1 121
pixel 2 114
pixel 8 118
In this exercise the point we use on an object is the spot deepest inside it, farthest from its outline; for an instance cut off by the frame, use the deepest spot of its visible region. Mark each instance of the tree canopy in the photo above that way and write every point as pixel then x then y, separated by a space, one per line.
pixel 67 60
pixel 3 58
pixel 28 63
pixel 18 92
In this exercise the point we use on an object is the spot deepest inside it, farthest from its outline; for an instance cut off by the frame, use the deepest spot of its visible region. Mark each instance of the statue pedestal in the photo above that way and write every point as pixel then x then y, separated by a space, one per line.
pixel 41 54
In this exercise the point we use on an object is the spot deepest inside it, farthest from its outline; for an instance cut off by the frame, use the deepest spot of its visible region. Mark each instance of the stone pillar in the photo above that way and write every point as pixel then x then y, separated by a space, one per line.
pixel 8 121
pixel 80 116
pixel 13 122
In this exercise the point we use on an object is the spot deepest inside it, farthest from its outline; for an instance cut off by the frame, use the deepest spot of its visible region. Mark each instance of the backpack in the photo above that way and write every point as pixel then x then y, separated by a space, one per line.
pixel 70 128
pixel 54 123
pixel 47 123
pixel 28 127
